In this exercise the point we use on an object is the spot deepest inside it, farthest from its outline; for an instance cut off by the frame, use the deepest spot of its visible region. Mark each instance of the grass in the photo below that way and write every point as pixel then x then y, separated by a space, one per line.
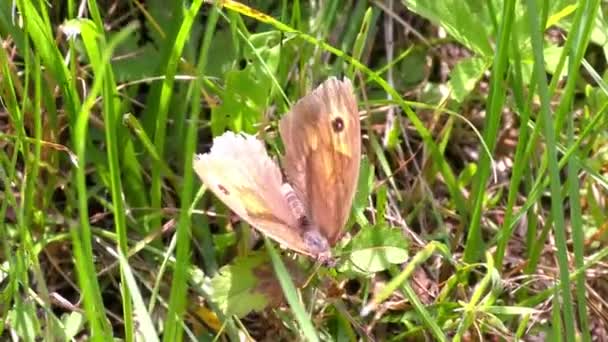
pixel 481 204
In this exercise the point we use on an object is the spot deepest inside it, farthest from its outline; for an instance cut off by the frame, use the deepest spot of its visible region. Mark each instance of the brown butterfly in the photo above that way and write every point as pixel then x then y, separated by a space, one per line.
pixel 322 141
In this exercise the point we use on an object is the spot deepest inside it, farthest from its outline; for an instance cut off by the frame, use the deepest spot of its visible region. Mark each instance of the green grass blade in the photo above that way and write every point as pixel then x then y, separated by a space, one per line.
pixel 177 299
pixel 472 250
pixel 82 236
pixel 290 292
pixel 160 96
pixel 557 211
pixel 520 161
pixel 578 39
pixel 95 44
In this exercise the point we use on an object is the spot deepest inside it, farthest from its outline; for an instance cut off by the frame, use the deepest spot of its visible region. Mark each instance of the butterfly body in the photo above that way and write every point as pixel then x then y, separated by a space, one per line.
pixel 307 211
pixel 308 230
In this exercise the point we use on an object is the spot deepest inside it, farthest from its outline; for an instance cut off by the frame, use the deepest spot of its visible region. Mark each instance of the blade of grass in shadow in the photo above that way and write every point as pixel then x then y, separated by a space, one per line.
pixel 82 234
pixel 577 42
pixel 177 299
pixel 557 212
pixel 520 161
pixel 358 34
pixel 33 182
pixel 290 292
pixel 578 236
pixel 25 256
pixel 472 250
pixel 159 97
pixel 94 43
pixel 52 59
pixel 144 139
pixel 196 89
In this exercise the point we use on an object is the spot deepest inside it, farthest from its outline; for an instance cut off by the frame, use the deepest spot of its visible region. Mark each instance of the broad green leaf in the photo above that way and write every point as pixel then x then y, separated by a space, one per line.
pixel 249 284
pixel 375 249
pixel 467 21
pixel 552 55
pixel 73 323
pixel 233 287
pixel 465 75
pixel 243 101
pixel 246 92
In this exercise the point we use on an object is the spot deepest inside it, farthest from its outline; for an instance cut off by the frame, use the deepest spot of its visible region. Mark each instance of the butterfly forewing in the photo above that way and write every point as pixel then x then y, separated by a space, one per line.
pixel 322 141
pixel 241 174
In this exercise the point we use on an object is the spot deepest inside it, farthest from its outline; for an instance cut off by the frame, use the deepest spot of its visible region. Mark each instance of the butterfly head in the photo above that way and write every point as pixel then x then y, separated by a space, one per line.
pixel 316 242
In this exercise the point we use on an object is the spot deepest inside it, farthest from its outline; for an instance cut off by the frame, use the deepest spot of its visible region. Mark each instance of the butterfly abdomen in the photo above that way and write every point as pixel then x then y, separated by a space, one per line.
pixel 309 230
pixel 296 206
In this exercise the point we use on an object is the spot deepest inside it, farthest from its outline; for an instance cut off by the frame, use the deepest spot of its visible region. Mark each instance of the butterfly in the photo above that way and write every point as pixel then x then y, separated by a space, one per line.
pixel 306 211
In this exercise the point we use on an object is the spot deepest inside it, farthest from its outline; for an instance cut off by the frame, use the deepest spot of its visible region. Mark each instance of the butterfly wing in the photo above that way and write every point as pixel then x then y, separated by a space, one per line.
pixel 322 139
pixel 241 174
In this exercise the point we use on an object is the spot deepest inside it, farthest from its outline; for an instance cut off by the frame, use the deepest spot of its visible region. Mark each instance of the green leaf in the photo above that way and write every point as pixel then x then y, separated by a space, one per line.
pixel 466 21
pixel 467 174
pixel 413 68
pixel 561 14
pixel 364 188
pixel 465 75
pixel 552 55
pixel 135 66
pixel 248 284
pixel 511 310
pixel 375 249
pixel 220 63
pixel 268 47
pixel 23 319
pixel 73 323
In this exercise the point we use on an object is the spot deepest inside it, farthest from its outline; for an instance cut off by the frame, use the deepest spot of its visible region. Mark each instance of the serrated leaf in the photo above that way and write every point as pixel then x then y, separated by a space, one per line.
pixel 243 102
pixel 249 284
pixel 234 287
